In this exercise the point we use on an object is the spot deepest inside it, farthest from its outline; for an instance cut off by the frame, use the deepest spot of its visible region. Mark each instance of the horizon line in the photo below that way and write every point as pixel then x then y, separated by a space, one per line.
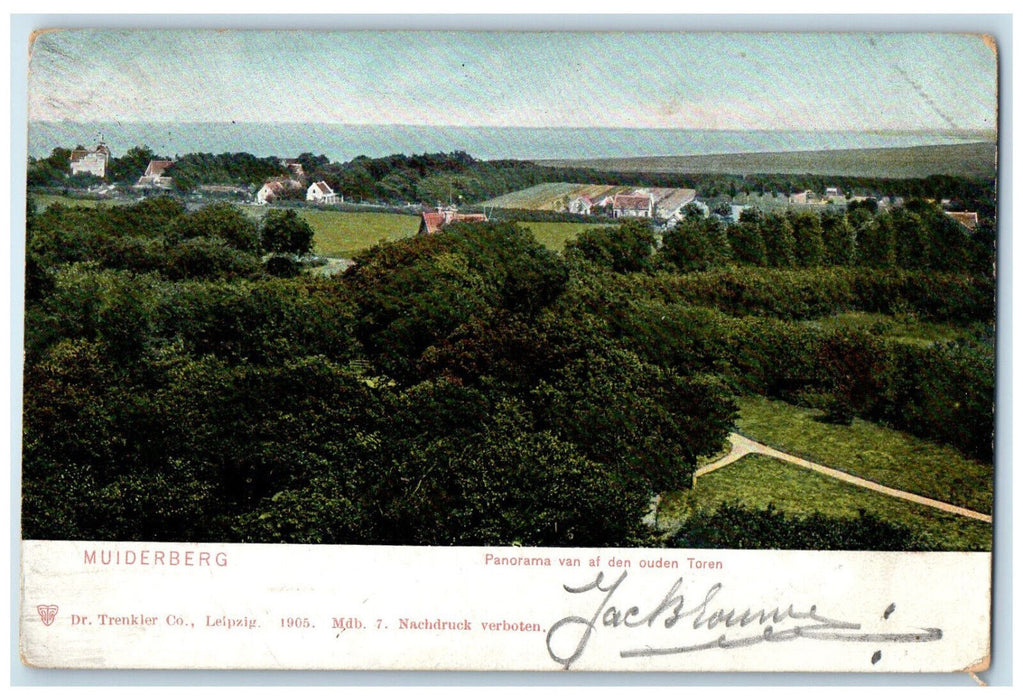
pixel 916 129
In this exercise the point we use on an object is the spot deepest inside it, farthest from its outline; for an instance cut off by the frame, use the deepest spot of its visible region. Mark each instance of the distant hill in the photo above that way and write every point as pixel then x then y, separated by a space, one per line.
pixel 964 160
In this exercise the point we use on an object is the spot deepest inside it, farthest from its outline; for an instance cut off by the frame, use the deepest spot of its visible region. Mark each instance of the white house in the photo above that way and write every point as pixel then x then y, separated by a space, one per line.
pixel 275 189
pixel 90 160
pixel 637 205
pixel 321 193
pixel 154 177
pixel 580 205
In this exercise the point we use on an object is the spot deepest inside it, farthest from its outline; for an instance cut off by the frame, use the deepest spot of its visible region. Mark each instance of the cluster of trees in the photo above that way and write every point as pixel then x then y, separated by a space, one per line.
pixel 439 393
pixel 748 324
pixel 188 171
pixel 918 235
pixel 470 387
pixel 159 236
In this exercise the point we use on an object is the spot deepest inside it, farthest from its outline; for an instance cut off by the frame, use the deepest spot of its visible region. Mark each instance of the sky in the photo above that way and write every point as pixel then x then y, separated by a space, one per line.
pixel 808 81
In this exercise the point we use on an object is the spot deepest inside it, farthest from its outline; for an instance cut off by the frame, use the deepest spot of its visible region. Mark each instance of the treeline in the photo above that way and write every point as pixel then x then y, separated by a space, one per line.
pixel 189 171
pixel 917 236
pixel 158 235
pixel 745 323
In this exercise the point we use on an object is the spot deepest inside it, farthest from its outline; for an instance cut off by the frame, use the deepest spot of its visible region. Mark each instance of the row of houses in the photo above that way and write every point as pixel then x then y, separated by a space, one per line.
pixel 644 203
pixel 287 188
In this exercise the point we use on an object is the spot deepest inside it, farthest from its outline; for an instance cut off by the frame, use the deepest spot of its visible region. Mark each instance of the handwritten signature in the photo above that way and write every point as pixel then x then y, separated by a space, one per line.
pixel 573 633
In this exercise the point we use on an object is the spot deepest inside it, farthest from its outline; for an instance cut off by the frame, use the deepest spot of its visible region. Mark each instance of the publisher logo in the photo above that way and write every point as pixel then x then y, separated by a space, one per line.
pixel 47 613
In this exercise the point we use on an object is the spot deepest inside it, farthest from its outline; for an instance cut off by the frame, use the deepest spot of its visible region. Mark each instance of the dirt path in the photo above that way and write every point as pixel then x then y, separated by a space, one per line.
pixel 742 446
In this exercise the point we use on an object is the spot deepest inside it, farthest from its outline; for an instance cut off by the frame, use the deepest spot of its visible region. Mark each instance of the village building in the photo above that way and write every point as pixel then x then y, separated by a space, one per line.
pixel 433 221
pixel 581 205
pixel 92 161
pixel 804 197
pixel 736 211
pixel 154 176
pixel 669 202
pixel 632 205
pixel 967 219
pixel 276 189
pixel 321 193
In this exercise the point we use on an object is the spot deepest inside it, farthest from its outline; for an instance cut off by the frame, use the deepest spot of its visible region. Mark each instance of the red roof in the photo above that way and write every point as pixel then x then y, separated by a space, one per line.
pixel 632 201
pixel 156 167
pixel 433 221
pixel 969 219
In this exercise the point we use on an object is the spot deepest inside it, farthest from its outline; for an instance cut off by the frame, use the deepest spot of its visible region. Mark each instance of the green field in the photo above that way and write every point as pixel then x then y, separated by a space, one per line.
pixel 343 234
pixel 757 481
pixel 964 160
pixel 555 234
pixel 864 449
pixel 870 451
pixel 902 328
pixel 42 201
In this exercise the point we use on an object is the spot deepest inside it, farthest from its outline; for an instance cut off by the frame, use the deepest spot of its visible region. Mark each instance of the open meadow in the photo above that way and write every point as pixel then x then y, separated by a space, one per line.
pixel 964 160
pixel 863 449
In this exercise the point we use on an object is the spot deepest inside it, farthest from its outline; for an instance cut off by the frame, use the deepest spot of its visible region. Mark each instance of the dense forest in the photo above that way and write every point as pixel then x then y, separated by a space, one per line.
pixel 184 381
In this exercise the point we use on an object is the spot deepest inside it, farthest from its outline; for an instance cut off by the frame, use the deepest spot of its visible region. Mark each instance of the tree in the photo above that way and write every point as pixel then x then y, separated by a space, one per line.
pixel 282 232
pixel 808 236
pixel 221 221
pixel 778 240
pixel 875 241
pixel 746 241
pixel 648 421
pixel 695 244
pixel 625 248
pixel 130 167
pixel 838 238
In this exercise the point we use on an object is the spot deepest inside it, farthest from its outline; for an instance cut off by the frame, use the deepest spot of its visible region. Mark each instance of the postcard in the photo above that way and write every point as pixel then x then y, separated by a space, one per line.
pixel 492 350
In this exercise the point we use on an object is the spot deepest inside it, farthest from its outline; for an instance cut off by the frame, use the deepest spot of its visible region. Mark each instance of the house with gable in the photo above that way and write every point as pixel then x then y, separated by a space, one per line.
pixel 321 193
pixel 632 205
pixel 581 205
pixel 669 203
pixel 804 197
pixel 277 189
pixel 433 221
pixel 92 161
pixel 154 176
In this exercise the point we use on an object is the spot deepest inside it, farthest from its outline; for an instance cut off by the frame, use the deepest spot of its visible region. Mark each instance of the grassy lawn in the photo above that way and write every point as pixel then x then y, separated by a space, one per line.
pixel 554 234
pixel 42 201
pixel 870 451
pixel 344 234
pixel 756 481
pixel 903 328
